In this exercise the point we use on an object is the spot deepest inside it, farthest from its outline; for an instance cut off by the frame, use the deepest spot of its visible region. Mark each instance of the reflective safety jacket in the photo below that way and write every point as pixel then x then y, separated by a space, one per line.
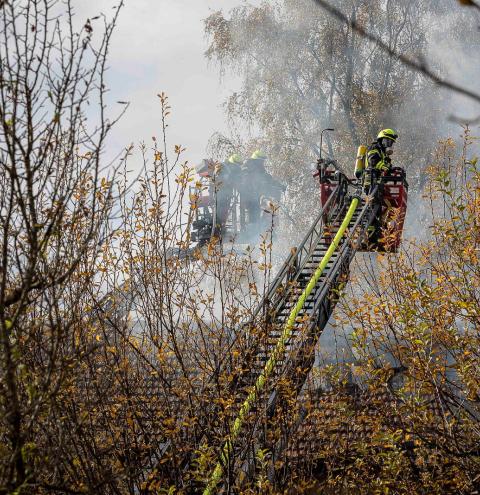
pixel 377 157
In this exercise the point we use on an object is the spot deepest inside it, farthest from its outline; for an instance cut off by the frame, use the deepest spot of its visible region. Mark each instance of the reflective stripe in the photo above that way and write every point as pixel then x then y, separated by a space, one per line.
pixel 381 165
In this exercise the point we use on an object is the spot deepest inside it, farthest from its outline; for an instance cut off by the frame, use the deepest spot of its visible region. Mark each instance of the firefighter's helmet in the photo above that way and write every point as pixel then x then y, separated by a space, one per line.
pixel 387 133
pixel 235 159
pixel 258 155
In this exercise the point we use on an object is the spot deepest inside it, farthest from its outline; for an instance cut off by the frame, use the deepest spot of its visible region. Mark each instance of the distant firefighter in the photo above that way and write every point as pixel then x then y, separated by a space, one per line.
pixel 258 186
pixel 203 223
pixel 237 198
pixel 225 184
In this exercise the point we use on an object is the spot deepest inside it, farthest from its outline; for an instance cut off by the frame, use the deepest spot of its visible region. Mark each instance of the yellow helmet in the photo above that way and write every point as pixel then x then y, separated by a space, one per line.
pixel 257 154
pixel 235 159
pixel 388 133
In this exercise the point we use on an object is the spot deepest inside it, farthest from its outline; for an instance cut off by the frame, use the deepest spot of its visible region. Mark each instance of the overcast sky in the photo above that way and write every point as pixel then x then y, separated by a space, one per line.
pixel 158 46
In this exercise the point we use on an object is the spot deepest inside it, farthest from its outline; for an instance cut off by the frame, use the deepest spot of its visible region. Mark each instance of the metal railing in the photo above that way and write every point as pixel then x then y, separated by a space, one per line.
pixel 297 258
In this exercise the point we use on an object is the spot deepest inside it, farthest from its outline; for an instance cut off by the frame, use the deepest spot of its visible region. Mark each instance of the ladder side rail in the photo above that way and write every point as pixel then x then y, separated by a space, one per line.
pixel 336 214
pixel 339 214
pixel 348 248
pixel 346 255
pixel 327 213
pixel 291 361
pixel 293 258
pixel 295 360
pixel 277 304
pixel 331 272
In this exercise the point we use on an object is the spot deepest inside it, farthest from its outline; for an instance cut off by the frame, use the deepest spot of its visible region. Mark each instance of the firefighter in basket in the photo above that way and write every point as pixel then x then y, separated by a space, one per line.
pixel 260 191
pixel 378 158
pixel 372 164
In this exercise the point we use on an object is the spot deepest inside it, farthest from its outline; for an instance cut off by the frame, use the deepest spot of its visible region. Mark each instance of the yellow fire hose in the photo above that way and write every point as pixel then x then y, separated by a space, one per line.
pixel 277 352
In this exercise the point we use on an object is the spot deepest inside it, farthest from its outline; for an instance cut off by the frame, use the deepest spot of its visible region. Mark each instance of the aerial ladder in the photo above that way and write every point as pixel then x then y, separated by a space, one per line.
pixel 294 312
pixel 298 305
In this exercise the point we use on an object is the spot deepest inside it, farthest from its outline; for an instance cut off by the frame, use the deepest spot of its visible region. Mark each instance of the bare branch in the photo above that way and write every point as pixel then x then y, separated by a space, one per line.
pixel 419 66
pixel 470 3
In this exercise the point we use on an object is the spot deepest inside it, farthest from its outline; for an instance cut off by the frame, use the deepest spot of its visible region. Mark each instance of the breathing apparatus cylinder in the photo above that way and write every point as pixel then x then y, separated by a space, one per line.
pixel 360 161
